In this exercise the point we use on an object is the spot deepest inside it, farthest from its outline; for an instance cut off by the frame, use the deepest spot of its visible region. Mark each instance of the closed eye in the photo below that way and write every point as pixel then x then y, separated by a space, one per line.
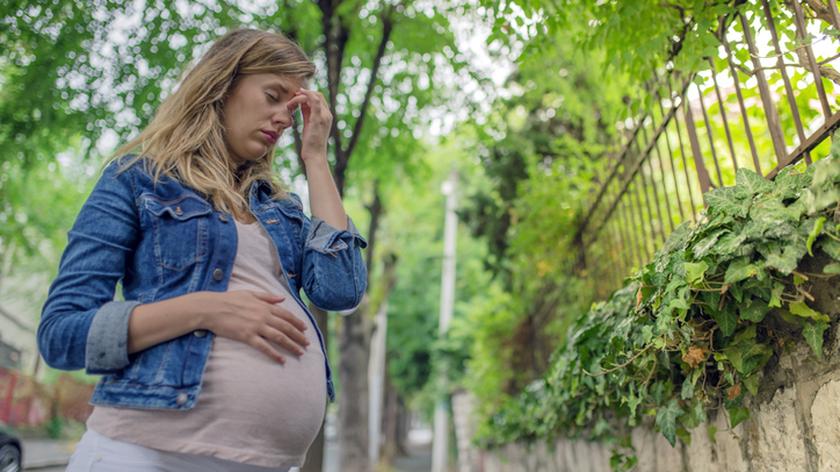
pixel 271 97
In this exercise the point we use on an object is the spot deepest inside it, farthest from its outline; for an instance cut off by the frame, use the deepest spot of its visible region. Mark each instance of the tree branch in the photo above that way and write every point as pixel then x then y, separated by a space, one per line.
pixel 387 28
pixel 336 35
pixel 375 209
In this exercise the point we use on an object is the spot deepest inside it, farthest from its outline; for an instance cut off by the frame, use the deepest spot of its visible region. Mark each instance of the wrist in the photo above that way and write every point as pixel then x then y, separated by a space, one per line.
pixel 314 159
pixel 197 304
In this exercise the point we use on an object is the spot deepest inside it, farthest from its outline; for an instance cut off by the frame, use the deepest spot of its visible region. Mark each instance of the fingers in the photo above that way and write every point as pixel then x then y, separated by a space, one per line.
pixel 278 337
pixel 287 316
pixel 296 101
pixel 268 297
pixel 291 331
pixel 307 98
pixel 263 346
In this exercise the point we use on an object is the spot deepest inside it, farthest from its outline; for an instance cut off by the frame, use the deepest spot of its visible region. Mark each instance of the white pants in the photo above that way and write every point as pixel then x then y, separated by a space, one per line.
pixel 98 453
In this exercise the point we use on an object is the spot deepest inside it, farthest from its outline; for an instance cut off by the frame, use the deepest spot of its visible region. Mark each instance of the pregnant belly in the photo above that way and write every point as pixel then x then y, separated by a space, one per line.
pixel 249 394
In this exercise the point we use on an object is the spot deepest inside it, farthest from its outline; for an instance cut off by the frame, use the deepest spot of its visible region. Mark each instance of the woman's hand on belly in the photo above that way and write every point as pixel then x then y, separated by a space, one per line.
pixel 253 318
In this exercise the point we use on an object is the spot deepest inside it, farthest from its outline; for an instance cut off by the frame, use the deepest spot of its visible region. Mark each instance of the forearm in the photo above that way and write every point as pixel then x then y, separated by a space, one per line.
pixel 153 323
pixel 324 199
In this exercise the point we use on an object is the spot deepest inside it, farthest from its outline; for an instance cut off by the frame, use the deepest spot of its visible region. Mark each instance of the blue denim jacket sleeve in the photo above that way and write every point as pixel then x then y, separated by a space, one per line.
pixel 81 325
pixel 334 271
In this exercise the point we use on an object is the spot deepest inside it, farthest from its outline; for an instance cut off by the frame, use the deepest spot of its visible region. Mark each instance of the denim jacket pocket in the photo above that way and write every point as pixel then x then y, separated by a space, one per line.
pixel 180 229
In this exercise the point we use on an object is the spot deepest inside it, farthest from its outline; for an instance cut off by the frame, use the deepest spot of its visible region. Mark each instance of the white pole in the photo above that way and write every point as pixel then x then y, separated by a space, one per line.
pixel 376 381
pixel 440 446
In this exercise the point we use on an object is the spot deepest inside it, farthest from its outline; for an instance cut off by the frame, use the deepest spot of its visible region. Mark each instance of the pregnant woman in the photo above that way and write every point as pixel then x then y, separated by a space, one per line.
pixel 212 362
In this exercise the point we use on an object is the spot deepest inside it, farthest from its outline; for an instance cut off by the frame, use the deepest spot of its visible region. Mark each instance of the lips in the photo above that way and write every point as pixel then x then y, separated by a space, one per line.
pixel 269 136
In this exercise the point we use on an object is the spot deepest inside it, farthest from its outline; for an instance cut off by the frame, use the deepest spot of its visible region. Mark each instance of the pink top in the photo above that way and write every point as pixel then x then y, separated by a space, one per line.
pixel 251 409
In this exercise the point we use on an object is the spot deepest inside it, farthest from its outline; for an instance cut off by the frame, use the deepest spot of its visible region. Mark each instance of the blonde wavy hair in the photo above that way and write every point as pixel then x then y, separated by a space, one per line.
pixel 186 139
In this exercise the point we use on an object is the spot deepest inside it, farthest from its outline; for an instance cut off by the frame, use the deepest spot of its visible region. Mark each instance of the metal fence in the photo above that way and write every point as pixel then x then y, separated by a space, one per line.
pixel 766 101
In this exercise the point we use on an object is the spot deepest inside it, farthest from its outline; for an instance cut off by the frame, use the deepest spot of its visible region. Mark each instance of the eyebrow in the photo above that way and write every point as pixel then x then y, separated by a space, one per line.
pixel 278 85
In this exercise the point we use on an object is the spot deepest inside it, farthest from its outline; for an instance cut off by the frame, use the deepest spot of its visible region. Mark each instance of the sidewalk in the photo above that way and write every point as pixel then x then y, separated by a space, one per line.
pixel 45 453
pixel 40 454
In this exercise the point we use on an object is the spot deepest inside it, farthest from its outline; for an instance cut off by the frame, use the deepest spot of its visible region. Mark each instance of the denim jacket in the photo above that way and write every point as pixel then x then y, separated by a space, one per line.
pixel 164 241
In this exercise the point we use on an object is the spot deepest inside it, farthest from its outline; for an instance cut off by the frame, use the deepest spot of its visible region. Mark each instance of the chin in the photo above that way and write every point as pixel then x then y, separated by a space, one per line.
pixel 254 153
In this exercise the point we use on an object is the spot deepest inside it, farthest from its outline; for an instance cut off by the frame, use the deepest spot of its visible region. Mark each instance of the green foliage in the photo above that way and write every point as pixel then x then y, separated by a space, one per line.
pixel 693 329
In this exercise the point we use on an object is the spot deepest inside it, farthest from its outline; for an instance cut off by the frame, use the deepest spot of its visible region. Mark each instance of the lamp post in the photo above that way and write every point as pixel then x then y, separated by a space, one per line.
pixel 440 446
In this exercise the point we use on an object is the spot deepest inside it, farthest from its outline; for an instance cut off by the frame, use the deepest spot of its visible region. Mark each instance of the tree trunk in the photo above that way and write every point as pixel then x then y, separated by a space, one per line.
pixel 315 456
pixel 354 344
pixel 390 430
pixel 403 425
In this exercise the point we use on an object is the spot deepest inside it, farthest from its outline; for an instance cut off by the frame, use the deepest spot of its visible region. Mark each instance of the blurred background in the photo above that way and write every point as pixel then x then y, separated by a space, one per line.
pixel 509 162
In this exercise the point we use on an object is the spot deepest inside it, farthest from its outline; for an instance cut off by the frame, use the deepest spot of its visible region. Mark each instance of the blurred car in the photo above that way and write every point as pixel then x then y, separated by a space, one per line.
pixel 11 455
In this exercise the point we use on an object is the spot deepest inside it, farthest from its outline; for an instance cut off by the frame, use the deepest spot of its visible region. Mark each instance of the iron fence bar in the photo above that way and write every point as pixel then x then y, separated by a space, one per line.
pixel 816 138
pixel 664 183
pixel 625 219
pixel 647 157
pixel 699 166
pixel 799 22
pixel 618 162
pixel 615 257
pixel 671 114
pixel 723 115
pixel 630 252
pixel 663 178
pixel 643 190
pixel 770 112
pixel 671 157
pixel 643 234
pixel 709 134
pixel 780 63
pixel 682 152
pixel 736 81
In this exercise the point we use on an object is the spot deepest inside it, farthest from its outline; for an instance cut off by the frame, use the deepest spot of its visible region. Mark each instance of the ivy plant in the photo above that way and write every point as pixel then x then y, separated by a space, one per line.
pixel 694 329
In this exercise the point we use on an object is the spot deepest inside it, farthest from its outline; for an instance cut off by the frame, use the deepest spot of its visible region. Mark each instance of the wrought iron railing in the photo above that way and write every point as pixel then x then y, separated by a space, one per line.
pixel 765 102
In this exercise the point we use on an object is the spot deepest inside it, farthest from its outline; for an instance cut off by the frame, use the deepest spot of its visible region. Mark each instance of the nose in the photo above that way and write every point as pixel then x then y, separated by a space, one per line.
pixel 282 118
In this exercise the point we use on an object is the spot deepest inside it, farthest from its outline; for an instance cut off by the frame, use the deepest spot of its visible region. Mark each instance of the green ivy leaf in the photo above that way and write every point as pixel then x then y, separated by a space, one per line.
pixel 803 310
pixel 752 382
pixel 745 354
pixel 752 182
pixel 783 259
pixel 737 415
pixel 832 268
pixel 739 270
pixel 813 334
pixel 754 310
pixel 695 272
pixel 706 244
pixel 666 420
pixel 687 391
pixel 832 248
pixel 696 415
pixel 725 319
pixel 812 236
pixel 730 201
pixel 776 295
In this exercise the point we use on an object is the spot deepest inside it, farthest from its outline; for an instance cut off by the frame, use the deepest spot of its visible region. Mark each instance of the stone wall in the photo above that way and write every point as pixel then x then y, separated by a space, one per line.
pixel 795 426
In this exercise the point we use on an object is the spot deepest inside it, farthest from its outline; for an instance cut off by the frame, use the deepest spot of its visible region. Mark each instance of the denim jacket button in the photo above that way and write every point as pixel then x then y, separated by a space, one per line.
pixel 222 218
pixel 218 274
pixel 199 333
pixel 181 399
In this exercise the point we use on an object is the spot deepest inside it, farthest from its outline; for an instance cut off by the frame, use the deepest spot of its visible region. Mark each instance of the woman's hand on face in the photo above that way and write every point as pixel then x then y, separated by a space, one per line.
pixel 317 122
pixel 254 318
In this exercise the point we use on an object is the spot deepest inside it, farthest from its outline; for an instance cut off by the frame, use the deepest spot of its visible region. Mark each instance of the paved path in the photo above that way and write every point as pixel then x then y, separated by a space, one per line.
pixel 45 455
